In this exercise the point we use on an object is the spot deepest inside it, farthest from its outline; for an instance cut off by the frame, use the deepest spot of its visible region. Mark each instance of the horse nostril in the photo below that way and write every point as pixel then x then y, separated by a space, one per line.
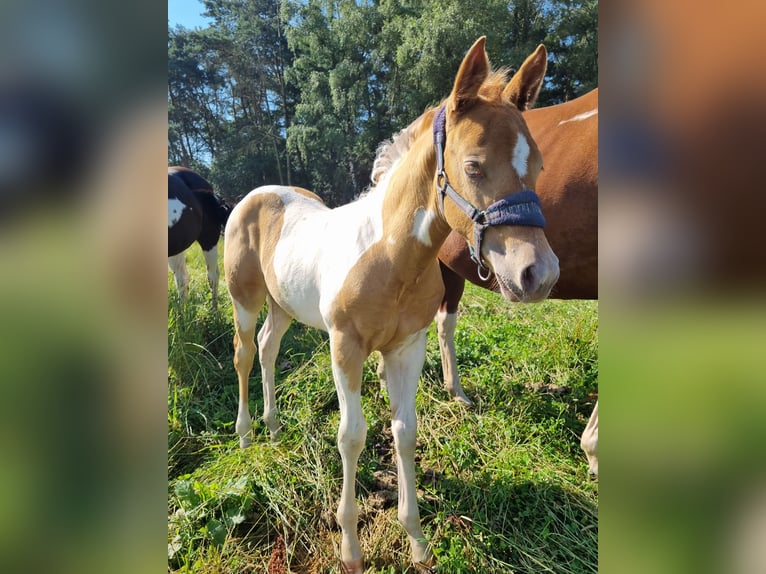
pixel 528 278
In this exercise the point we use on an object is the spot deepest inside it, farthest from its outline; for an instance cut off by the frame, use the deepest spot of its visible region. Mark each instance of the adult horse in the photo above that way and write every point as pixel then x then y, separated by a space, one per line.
pixel 367 272
pixel 567 135
pixel 195 213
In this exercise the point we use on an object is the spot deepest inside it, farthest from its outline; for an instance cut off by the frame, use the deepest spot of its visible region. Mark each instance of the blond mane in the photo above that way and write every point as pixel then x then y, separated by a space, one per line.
pixel 389 152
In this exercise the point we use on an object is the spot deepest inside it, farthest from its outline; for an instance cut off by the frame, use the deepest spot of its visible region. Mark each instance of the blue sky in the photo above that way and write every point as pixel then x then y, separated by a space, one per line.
pixel 188 13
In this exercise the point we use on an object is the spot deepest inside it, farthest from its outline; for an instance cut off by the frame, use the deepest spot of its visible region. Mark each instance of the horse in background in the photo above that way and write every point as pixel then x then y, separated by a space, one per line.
pixel 195 213
pixel 567 135
pixel 368 274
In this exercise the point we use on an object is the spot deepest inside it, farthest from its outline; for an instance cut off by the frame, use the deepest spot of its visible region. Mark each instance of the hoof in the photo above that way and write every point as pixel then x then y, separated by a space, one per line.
pixel 425 567
pixel 245 441
pixel 462 399
pixel 353 566
pixel 422 557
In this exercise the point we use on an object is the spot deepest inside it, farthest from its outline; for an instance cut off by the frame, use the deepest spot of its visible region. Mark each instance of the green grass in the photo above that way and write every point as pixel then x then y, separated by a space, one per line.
pixel 502 487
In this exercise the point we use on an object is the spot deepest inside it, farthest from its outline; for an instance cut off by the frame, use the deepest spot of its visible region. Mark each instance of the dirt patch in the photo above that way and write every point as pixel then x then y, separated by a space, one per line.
pixel 278 560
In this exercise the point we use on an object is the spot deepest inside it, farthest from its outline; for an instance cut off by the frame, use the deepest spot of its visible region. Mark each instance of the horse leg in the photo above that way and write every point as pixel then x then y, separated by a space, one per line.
pixel 177 264
pixel 589 441
pixel 446 322
pixel 211 262
pixel 347 362
pixel 403 367
pixel 269 338
pixel 244 355
pixel 382 372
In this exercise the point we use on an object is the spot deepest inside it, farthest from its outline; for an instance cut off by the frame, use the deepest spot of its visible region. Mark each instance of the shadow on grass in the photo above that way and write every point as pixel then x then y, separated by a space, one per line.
pixel 502 524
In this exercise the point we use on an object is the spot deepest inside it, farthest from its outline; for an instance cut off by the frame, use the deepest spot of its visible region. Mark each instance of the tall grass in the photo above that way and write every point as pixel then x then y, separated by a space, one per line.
pixel 503 486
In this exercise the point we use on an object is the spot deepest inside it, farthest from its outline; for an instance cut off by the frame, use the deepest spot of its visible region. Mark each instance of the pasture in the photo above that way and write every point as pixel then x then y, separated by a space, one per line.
pixel 502 487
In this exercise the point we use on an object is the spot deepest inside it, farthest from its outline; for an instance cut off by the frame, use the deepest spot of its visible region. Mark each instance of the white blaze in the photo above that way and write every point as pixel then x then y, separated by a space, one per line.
pixel 521 155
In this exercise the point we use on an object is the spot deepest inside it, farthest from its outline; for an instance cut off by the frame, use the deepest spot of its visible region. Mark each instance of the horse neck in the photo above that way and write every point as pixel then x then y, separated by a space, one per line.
pixel 413 224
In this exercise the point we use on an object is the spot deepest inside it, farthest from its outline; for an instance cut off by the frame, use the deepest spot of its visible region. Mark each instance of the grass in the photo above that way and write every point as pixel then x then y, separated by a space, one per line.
pixel 502 487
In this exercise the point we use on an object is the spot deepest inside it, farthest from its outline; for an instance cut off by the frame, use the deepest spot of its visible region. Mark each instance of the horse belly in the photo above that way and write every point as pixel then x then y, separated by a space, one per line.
pixel 299 298
pixel 297 275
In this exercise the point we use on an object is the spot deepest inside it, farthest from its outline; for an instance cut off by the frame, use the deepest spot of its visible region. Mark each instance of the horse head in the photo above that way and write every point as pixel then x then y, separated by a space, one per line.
pixel 487 167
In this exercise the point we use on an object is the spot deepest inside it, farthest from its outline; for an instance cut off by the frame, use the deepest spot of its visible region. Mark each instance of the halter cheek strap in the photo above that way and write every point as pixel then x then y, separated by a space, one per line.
pixel 520 208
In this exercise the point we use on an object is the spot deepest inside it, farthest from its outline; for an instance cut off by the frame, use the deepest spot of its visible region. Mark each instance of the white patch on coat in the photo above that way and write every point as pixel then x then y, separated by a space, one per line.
pixel 421 229
pixel 580 117
pixel 318 247
pixel 521 155
pixel 175 210
pixel 245 319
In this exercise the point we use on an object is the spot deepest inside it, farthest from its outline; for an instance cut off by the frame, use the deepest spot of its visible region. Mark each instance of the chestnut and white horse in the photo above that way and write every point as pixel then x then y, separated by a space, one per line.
pixel 368 274
pixel 195 213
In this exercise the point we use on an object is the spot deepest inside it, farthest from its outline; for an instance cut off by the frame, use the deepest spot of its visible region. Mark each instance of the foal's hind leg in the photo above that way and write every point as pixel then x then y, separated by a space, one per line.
pixel 211 262
pixel 177 264
pixel 269 338
pixel 244 354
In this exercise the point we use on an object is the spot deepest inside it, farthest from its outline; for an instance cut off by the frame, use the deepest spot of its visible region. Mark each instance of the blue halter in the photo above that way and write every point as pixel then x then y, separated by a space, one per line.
pixel 520 208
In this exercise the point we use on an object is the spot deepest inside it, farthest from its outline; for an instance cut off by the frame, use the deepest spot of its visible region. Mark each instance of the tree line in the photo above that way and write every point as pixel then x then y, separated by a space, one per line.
pixel 301 92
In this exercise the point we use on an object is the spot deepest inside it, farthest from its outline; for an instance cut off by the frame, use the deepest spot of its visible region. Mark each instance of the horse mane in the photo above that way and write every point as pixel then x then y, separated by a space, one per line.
pixel 391 150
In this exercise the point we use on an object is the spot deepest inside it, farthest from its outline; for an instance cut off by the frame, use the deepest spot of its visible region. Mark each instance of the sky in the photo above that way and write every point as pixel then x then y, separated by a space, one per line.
pixel 188 13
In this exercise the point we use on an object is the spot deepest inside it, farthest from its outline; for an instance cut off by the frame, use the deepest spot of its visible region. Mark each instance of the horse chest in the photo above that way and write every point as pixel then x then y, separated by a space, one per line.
pixel 386 312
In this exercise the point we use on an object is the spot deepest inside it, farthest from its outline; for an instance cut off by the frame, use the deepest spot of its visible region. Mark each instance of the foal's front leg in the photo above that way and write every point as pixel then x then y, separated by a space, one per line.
pixel 403 368
pixel 347 361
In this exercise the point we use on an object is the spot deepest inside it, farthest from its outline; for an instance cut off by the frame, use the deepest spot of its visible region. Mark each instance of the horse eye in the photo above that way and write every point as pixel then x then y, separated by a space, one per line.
pixel 472 169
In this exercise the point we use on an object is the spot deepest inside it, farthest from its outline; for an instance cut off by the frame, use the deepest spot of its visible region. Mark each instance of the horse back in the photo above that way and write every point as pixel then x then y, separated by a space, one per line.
pixel 192 179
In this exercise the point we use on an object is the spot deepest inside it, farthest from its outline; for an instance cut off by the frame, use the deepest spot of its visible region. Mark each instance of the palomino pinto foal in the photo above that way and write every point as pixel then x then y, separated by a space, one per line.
pixel 567 135
pixel 195 213
pixel 367 272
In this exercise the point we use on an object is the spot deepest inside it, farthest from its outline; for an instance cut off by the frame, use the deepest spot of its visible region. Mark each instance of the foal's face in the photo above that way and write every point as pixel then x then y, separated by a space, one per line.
pixel 490 154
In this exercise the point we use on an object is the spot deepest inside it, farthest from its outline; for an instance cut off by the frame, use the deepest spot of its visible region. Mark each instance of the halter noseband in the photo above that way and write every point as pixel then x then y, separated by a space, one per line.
pixel 520 208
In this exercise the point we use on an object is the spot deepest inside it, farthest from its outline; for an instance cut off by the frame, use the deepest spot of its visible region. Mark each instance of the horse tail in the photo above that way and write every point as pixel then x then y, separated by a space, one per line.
pixel 214 206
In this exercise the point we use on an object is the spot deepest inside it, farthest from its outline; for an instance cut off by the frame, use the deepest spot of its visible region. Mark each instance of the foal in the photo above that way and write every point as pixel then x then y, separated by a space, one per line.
pixel 367 272
pixel 195 213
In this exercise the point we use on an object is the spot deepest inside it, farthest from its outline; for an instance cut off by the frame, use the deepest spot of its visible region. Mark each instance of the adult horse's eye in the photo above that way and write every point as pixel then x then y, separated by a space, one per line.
pixel 472 169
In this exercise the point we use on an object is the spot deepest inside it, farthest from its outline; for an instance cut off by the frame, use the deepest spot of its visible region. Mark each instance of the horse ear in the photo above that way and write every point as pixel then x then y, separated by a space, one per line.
pixel 471 75
pixel 525 85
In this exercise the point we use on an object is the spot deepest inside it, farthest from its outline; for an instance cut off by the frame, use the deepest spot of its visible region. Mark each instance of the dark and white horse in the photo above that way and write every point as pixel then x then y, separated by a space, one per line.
pixel 195 213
